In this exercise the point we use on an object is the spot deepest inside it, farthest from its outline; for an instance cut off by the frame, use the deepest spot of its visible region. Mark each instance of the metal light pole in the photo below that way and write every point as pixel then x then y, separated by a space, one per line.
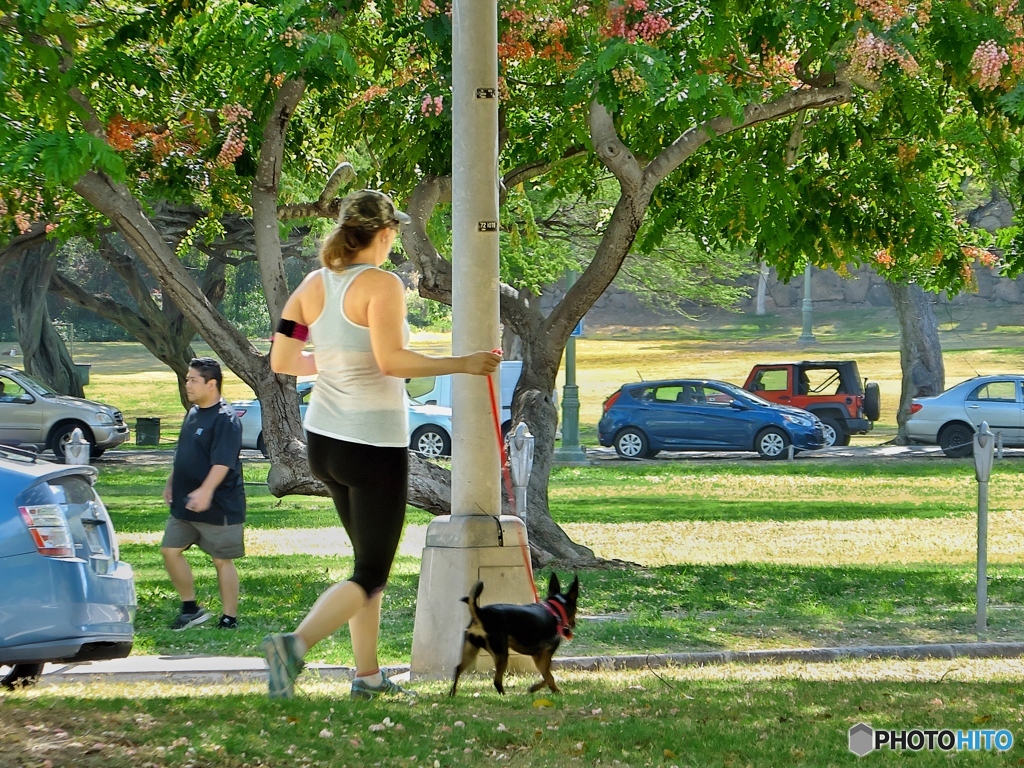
pixel 984 449
pixel 570 452
pixel 807 335
pixel 469 544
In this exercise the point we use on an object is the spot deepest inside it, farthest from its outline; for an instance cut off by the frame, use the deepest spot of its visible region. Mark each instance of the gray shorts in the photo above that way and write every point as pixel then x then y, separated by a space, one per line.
pixel 224 542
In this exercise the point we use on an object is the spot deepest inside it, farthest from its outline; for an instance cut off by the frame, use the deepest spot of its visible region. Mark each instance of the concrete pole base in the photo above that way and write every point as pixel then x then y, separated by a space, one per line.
pixel 461 550
pixel 571 457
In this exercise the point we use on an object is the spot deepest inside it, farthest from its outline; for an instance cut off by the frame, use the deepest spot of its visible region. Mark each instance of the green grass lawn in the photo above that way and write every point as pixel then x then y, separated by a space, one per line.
pixel 719 717
pixel 728 555
pixel 738 555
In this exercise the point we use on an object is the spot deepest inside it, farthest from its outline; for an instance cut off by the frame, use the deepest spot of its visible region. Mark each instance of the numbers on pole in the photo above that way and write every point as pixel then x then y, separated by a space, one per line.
pixel 485 93
pixel 487 226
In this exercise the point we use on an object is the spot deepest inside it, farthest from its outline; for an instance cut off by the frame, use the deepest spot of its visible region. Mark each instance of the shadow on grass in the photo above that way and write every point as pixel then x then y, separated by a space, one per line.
pixel 663 610
pixel 644 509
pixel 597 719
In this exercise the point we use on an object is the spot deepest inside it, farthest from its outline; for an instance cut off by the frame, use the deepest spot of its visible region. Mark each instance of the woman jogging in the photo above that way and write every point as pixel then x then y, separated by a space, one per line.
pixel 356 424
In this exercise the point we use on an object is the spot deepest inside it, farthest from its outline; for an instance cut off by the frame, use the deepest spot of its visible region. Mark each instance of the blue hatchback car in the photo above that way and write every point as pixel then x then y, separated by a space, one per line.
pixel 702 415
pixel 65 596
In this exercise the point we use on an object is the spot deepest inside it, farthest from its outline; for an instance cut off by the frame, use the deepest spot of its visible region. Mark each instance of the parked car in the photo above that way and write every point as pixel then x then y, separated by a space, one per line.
pixel 644 418
pixel 32 415
pixel 430 426
pixel 437 390
pixel 66 596
pixel 950 420
pixel 830 389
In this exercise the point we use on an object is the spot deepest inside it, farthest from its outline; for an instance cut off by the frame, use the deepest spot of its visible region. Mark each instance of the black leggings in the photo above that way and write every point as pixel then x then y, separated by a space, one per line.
pixel 369 485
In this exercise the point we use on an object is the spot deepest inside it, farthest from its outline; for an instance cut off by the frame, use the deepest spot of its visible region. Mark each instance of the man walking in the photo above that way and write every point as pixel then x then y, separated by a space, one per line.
pixel 206 495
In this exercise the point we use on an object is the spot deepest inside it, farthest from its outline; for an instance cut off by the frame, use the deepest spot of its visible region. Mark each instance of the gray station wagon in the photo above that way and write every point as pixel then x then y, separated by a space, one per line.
pixel 32 415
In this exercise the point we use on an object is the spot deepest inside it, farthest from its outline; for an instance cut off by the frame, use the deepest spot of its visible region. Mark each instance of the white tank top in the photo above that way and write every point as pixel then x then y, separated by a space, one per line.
pixel 352 400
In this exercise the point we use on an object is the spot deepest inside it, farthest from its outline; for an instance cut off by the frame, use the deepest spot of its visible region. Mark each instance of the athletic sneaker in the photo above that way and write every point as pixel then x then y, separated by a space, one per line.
pixel 283 665
pixel 186 620
pixel 361 691
pixel 227 622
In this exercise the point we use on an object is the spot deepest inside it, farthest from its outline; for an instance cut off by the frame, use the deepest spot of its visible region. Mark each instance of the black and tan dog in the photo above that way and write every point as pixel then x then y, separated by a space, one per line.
pixel 534 630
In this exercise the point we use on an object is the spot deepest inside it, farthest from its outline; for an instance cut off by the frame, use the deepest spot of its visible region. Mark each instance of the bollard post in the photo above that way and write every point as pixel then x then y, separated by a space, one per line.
pixel 520 460
pixel 790 453
pixel 984 445
pixel 999 445
pixel 76 450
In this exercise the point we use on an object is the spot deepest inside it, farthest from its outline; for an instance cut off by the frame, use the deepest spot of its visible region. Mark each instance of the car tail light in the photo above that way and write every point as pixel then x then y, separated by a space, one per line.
pixel 239 412
pixel 49 529
pixel 915 407
pixel 611 401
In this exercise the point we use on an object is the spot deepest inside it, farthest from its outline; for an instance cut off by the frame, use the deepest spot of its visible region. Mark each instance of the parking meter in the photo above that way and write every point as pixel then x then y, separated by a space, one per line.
pixel 984 451
pixel 76 450
pixel 520 459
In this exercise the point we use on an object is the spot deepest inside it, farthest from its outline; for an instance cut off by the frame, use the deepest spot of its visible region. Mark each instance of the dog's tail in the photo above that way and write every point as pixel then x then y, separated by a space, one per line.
pixel 472 601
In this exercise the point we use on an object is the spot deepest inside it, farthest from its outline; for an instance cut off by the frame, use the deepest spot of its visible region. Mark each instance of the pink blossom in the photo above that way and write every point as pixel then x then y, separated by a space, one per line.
pixel 987 62
pixel 432 105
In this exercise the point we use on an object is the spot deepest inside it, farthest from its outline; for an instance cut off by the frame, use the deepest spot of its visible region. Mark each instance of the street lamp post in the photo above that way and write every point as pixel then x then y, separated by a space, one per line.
pixel 470 544
pixel 570 451
pixel 807 334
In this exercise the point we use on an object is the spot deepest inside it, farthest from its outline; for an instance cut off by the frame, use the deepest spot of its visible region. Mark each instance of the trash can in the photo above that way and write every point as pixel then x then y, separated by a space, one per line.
pixel 147 431
pixel 82 369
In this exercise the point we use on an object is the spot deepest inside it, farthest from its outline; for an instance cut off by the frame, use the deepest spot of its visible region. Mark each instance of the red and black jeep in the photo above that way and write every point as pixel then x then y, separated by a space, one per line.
pixel 831 390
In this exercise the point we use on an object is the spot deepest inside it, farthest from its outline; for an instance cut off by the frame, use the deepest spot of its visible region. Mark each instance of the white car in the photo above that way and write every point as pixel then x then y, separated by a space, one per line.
pixel 430 426
pixel 950 420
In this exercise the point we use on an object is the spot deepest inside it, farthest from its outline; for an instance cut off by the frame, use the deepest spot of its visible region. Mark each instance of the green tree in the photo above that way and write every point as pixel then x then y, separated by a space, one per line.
pixel 689 109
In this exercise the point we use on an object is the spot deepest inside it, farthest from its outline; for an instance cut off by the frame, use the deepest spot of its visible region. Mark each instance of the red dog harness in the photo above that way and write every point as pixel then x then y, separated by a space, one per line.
pixel 556 609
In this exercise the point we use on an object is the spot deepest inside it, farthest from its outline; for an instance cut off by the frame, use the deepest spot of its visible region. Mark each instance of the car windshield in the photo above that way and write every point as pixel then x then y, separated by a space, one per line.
pixel 740 394
pixel 44 389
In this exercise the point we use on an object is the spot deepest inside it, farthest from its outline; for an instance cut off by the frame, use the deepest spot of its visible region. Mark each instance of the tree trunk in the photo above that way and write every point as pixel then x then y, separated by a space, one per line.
pixel 43 349
pixel 920 349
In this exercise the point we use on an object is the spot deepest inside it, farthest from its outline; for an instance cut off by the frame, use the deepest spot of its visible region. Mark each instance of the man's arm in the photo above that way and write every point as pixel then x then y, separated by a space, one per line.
pixel 201 498
pixel 167 488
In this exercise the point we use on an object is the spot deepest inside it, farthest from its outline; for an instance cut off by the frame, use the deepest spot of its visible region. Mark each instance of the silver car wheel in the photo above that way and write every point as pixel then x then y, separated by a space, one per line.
pixel 630 445
pixel 773 444
pixel 829 433
pixel 430 444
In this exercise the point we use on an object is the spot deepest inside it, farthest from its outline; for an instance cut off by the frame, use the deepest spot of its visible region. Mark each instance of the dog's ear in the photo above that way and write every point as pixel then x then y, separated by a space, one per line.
pixel 574 589
pixel 554 588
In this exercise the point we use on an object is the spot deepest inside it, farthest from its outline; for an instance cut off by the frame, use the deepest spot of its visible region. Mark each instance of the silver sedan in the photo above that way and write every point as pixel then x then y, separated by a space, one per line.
pixel 950 420
pixel 430 426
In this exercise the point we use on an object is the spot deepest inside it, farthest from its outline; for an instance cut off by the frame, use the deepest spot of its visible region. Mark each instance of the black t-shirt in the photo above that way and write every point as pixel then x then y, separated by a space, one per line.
pixel 209 436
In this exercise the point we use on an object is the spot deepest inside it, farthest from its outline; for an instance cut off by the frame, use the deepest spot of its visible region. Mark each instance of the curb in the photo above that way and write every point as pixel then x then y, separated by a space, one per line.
pixel 220 669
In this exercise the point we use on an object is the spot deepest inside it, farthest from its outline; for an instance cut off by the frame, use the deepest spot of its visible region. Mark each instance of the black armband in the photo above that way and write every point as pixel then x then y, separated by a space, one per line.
pixel 293 330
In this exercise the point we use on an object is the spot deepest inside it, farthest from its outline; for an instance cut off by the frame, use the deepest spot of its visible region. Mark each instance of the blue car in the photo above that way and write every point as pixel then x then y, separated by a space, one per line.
pixel 66 596
pixel 700 415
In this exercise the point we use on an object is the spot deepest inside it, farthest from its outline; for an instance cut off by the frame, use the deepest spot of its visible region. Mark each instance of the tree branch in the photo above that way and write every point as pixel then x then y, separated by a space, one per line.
pixel 689 142
pixel 265 192
pixel 612 151
pixel 328 205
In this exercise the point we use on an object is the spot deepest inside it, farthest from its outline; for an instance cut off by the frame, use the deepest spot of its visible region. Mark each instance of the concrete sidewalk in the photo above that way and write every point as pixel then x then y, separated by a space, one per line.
pixel 226 669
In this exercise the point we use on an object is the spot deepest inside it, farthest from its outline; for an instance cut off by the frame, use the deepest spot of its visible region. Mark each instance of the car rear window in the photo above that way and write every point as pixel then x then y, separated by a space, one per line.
pixel 1001 391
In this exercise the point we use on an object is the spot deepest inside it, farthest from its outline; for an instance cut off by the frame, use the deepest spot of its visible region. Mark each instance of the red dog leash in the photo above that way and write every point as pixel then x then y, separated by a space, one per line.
pixel 507 475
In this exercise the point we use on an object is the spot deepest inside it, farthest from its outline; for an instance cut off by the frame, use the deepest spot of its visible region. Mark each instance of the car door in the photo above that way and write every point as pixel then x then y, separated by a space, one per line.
pixel 997 402
pixel 716 423
pixel 661 415
pixel 21 418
